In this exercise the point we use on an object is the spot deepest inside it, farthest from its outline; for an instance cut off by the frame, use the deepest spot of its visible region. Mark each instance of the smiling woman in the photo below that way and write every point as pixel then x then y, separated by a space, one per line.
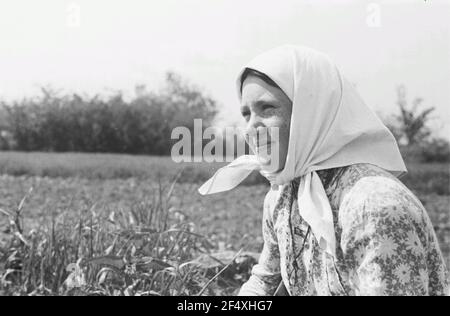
pixel 266 108
pixel 337 221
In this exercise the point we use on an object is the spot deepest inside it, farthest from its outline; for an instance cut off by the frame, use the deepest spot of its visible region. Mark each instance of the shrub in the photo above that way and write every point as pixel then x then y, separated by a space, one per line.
pixel 435 150
pixel 56 123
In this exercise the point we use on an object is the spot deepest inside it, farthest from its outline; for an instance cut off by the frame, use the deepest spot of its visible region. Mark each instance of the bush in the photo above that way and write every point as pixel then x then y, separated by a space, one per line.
pixel 435 150
pixel 77 123
pixel 427 178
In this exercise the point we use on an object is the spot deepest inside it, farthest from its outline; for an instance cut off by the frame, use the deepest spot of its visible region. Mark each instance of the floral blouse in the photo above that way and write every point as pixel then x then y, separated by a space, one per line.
pixel 386 244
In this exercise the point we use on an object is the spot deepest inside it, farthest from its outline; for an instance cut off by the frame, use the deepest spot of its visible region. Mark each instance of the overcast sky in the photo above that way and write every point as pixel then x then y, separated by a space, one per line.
pixel 116 44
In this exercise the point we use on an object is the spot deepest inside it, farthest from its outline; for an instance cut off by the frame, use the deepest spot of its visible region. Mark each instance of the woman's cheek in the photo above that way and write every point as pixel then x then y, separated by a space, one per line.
pixel 275 121
pixel 281 124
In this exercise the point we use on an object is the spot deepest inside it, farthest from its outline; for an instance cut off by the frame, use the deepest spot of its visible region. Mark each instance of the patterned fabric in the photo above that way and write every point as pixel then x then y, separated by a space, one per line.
pixel 386 242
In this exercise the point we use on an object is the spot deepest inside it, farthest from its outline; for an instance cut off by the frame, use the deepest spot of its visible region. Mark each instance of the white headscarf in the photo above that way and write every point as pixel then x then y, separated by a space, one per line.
pixel 330 127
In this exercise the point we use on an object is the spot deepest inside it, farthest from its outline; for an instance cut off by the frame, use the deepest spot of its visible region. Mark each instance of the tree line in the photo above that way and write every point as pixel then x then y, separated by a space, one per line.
pixel 75 123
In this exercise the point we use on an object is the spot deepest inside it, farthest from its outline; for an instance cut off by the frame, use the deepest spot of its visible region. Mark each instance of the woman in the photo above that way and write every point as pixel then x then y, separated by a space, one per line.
pixel 336 220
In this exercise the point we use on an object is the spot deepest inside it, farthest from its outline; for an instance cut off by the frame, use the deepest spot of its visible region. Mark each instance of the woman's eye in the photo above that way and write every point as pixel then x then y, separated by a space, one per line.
pixel 267 107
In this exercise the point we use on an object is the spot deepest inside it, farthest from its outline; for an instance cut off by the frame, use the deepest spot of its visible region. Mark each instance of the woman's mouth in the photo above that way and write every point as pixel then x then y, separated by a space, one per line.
pixel 264 150
pixel 262 144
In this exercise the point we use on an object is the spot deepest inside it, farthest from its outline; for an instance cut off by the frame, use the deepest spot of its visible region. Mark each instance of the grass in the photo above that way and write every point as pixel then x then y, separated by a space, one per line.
pixel 119 237
pixel 424 178
pixel 109 225
pixel 107 166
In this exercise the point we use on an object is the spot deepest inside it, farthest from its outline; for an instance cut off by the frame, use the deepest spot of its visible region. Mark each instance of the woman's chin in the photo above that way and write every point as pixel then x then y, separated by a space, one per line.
pixel 267 165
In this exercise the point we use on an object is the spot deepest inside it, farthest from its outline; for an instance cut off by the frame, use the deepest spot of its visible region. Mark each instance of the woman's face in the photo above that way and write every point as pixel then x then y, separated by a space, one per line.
pixel 265 107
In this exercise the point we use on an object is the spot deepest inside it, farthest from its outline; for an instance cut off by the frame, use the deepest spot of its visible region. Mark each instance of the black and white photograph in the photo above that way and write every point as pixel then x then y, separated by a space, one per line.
pixel 242 150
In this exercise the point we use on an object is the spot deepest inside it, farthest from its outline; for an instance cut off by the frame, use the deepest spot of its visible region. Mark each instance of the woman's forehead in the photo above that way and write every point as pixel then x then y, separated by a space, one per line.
pixel 256 90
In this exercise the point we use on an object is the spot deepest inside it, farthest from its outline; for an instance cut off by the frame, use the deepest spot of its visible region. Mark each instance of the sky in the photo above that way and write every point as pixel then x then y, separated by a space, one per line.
pixel 98 46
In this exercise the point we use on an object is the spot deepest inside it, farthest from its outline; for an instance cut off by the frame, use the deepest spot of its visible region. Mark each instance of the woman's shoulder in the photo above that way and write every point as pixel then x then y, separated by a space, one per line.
pixel 371 193
pixel 373 186
pixel 369 182
pixel 361 181
pixel 348 176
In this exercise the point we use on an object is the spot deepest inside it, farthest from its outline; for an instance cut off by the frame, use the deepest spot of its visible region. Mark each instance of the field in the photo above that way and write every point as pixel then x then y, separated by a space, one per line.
pixel 134 225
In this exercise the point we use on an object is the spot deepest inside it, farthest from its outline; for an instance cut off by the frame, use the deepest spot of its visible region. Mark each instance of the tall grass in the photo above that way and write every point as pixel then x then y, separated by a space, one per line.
pixel 150 249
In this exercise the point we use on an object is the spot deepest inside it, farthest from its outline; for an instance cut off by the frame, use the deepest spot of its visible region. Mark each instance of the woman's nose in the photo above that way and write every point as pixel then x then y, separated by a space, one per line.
pixel 252 131
pixel 253 124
